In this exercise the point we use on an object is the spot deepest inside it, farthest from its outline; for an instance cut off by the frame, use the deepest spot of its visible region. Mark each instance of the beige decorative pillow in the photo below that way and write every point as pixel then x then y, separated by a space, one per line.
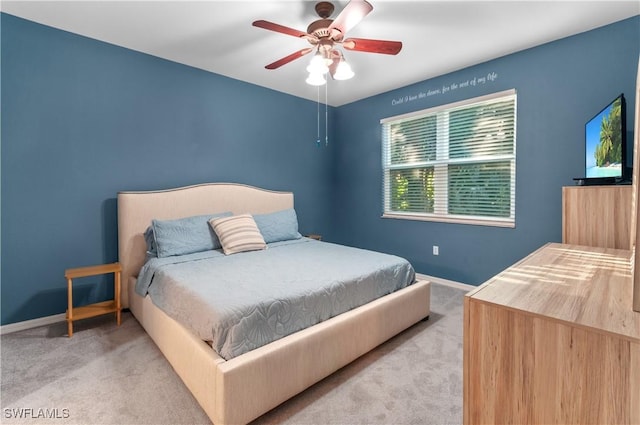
pixel 238 233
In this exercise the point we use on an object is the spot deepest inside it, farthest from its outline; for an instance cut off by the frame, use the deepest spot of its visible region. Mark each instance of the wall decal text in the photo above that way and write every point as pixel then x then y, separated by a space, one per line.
pixel 472 82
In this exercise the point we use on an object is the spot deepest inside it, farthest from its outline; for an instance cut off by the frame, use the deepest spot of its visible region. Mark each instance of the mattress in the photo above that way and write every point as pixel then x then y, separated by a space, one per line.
pixel 243 301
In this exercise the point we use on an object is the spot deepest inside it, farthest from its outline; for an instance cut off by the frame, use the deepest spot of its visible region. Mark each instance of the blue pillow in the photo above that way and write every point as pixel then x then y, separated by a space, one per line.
pixel 278 226
pixel 151 242
pixel 185 235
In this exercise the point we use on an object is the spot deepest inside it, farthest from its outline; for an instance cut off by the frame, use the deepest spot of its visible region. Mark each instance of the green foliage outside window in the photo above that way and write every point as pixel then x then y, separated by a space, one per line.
pixel 480 189
pixel 413 141
pixel 412 190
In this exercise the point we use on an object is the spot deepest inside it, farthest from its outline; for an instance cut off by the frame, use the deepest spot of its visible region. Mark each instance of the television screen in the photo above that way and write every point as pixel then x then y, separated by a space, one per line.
pixel 605 144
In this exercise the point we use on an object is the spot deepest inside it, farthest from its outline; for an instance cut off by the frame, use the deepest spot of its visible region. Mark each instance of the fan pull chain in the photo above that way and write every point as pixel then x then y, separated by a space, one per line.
pixel 318 114
pixel 326 115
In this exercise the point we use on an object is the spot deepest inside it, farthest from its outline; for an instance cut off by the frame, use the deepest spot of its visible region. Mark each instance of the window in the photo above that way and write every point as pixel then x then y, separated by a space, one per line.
pixel 453 163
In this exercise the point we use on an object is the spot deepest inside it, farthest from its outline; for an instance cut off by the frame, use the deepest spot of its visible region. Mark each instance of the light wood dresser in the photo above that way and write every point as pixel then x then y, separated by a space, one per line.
pixel 597 215
pixel 554 340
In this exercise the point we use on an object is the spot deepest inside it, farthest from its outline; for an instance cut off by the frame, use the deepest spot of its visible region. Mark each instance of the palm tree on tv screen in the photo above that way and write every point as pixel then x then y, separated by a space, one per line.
pixel 609 150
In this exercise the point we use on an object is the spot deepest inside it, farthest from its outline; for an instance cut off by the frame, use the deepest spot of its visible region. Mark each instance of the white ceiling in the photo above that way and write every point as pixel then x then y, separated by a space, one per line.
pixel 438 36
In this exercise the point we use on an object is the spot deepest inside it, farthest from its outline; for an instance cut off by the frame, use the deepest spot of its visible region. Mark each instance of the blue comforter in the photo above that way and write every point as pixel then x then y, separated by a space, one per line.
pixel 243 301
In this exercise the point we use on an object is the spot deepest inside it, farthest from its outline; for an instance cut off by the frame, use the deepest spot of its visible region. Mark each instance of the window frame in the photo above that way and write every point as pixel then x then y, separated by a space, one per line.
pixel 442 161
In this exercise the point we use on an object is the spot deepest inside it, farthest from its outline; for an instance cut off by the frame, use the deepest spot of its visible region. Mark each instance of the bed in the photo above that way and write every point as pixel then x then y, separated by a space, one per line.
pixel 238 390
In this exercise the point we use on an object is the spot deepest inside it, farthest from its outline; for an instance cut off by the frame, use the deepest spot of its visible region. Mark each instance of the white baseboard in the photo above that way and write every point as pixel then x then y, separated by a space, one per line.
pixel 33 323
pixel 441 281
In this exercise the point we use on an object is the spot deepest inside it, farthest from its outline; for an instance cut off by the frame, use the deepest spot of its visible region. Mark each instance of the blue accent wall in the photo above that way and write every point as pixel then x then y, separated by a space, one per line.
pixel 82 120
pixel 560 86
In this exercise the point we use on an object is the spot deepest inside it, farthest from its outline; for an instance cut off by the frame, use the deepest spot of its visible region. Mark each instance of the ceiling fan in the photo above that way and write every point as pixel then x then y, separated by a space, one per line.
pixel 326 34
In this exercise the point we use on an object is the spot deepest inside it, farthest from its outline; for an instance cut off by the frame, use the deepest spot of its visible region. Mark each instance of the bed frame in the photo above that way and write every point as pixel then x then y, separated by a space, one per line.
pixel 243 388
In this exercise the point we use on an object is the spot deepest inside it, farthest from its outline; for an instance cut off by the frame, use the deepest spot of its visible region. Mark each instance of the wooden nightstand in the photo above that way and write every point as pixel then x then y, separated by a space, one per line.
pixel 316 237
pixel 96 309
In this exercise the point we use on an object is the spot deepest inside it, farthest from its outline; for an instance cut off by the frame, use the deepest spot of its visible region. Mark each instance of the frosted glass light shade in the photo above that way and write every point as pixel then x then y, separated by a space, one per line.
pixel 318 65
pixel 315 79
pixel 343 71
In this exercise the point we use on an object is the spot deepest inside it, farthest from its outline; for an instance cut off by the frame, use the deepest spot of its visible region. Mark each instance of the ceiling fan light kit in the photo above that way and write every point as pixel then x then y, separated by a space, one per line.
pixel 325 36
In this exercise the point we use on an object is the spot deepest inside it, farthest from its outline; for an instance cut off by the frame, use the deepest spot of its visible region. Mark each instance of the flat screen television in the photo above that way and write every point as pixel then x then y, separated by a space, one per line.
pixel 606 144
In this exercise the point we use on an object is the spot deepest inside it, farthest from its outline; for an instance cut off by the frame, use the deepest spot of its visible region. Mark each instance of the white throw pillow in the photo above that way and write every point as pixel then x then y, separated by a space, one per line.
pixel 238 233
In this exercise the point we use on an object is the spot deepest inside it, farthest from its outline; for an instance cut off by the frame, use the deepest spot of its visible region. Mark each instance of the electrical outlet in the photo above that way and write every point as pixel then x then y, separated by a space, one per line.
pixel 436 250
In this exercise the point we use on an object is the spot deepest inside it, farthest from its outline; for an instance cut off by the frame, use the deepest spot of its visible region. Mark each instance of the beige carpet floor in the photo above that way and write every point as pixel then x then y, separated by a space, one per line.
pixel 116 375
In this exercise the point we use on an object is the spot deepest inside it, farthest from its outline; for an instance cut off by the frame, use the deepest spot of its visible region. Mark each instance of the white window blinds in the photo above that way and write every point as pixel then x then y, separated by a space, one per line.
pixel 452 163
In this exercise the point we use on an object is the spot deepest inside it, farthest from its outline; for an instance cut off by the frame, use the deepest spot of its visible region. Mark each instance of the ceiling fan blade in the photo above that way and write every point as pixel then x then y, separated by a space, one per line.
pixel 351 15
pixel 279 28
pixel 373 46
pixel 285 60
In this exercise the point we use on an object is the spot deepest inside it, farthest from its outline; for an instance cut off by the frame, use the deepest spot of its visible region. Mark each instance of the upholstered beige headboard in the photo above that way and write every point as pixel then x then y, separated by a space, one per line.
pixel 137 209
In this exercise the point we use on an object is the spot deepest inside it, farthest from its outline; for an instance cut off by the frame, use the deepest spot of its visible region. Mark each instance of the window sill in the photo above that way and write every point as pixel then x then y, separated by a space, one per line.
pixel 452 219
